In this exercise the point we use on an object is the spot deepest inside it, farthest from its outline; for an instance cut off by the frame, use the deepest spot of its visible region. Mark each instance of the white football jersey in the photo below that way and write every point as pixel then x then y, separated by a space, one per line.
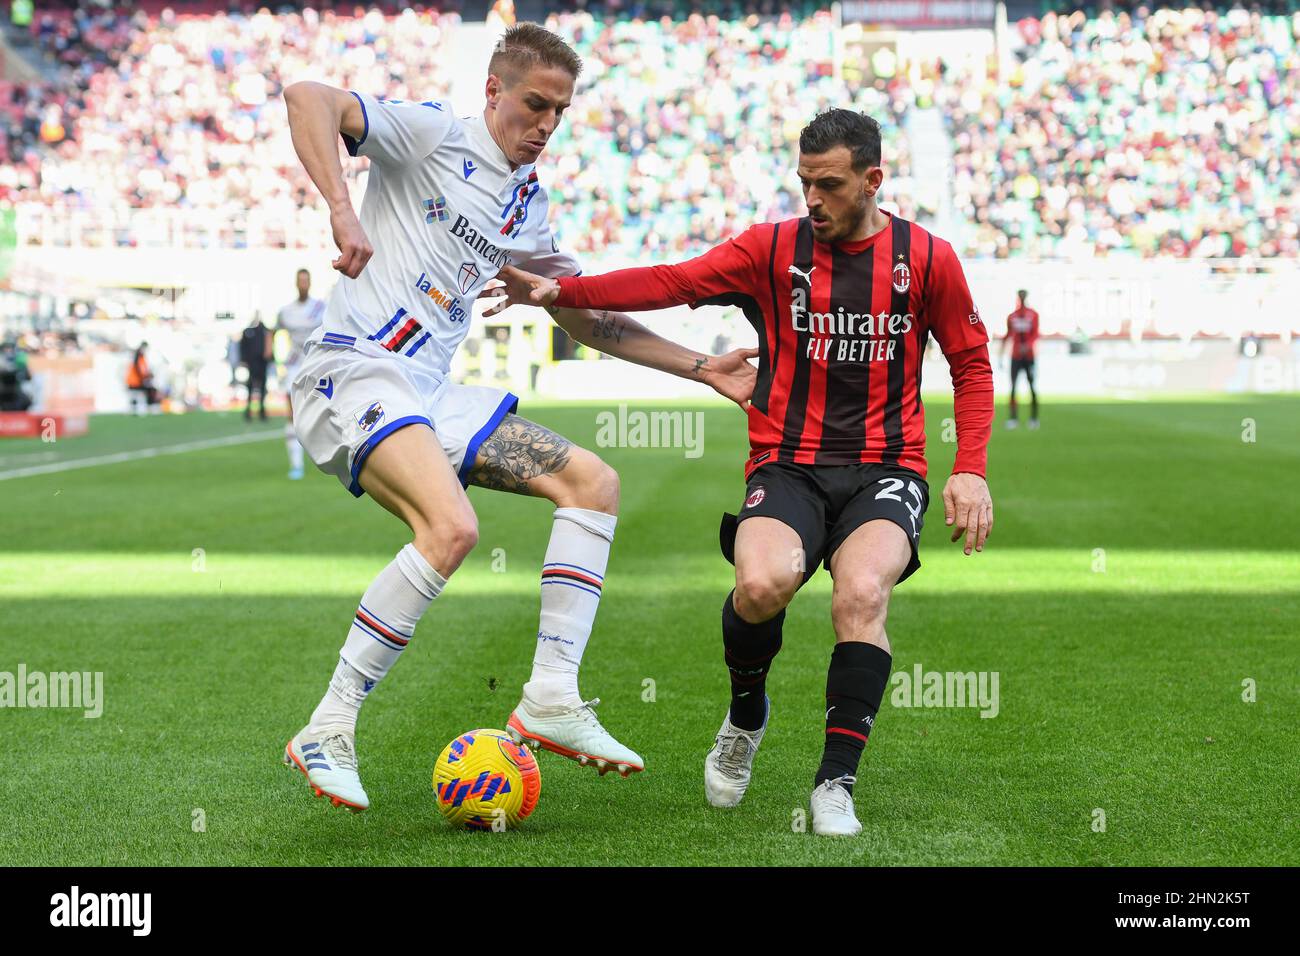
pixel 444 212
pixel 300 320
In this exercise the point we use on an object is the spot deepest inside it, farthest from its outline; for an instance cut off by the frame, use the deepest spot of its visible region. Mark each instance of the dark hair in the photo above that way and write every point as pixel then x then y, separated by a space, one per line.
pixel 301 272
pixel 526 45
pixel 856 131
pixel 1024 295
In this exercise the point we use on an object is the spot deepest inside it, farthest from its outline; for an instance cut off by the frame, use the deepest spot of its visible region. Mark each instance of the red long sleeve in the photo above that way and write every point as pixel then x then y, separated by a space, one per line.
pixel 627 290
pixel 972 385
pixel 729 267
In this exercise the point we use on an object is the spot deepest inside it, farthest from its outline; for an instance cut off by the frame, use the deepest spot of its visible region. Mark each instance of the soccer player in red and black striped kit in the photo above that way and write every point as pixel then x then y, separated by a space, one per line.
pixel 1022 333
pixel 843 301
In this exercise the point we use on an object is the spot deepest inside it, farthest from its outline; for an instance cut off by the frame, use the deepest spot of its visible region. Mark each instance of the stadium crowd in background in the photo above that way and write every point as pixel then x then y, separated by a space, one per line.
pixel 686 131
pixel 1165 133
pixel 191 117
pixel 1170 133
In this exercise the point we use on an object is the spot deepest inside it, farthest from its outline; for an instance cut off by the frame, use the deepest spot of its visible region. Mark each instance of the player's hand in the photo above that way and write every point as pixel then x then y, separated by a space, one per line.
pixel 354 248
pixel 968 509
pixel 516 287
pixel 731 375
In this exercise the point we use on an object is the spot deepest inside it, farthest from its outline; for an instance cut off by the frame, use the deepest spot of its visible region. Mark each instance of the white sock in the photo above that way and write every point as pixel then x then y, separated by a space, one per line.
pixel 293 446
pixel 383 626
pixel 572 577
pixel 339 708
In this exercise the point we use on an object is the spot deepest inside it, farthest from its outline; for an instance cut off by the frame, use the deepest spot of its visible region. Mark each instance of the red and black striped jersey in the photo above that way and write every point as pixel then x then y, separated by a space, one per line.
pixel 842 330
pixel 1022 330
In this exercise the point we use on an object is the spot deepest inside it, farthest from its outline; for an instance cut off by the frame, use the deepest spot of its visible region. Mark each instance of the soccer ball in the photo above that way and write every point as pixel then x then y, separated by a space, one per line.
pixel 486 781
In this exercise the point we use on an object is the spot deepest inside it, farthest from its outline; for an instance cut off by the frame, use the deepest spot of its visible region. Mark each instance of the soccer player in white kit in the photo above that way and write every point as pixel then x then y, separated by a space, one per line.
pixel 300 318
pixel 448 203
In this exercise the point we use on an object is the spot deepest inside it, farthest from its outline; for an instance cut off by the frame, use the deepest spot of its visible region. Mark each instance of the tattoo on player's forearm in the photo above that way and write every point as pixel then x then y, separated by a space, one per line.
pixel 701 365
pixel 605 327
pixel 516 453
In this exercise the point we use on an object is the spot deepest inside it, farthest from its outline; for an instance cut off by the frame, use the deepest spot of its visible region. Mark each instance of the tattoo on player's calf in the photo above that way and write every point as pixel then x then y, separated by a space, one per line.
pixel 517 452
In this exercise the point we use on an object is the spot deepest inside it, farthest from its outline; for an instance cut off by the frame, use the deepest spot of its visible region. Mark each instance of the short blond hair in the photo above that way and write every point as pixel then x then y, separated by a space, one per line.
pixel 528 45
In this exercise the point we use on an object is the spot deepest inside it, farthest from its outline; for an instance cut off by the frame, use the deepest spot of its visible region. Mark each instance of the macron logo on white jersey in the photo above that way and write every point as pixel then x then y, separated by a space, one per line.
pixel 469 168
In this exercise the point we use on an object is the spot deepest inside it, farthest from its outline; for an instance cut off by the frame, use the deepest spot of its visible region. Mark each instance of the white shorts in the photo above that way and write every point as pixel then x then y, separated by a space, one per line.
pixel 347 399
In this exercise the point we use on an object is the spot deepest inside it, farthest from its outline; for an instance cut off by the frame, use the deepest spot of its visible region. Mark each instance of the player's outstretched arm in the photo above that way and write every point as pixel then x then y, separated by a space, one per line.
pixel 725 269
pixel 585 308
pixel 640 290
pixel 317 114
pixel 622 336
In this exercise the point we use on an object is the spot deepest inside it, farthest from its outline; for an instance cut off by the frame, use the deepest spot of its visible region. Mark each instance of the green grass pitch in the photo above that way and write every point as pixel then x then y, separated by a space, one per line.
pixel 1142 576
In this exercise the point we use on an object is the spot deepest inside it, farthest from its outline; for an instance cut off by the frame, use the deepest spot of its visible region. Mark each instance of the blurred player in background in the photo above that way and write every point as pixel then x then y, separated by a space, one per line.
pixel 300 318
pixel 843 301
pixel 255 350
pixel 448 203
pixel 1022 333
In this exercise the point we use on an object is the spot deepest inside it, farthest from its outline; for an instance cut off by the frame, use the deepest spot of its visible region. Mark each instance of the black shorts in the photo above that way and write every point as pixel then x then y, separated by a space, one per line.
pixel 1022 365
pixel 825 504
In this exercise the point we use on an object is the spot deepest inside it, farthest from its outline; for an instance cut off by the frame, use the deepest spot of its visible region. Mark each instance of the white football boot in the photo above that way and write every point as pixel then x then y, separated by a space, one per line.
pixel 729 765
pixel 832 808
pixel 572 732
pixel 329 762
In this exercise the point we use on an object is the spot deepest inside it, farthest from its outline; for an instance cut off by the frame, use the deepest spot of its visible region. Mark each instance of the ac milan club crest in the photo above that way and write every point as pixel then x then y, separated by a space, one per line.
pixel 902 278
pixel 756 497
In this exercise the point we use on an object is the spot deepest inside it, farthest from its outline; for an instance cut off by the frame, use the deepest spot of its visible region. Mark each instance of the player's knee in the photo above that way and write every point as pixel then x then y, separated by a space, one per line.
pixel 446 544
pixel 462 537
pixel 591 483
pixel 761 595
pixel 864 597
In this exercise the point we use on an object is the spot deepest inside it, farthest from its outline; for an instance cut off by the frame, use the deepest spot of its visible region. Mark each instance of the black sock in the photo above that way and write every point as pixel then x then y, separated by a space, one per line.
pixel 855 685
pixel 749 649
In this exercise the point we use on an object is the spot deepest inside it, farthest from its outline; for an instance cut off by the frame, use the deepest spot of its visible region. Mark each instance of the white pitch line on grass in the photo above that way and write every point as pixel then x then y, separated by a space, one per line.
pixel 36 456
pixel 124 456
